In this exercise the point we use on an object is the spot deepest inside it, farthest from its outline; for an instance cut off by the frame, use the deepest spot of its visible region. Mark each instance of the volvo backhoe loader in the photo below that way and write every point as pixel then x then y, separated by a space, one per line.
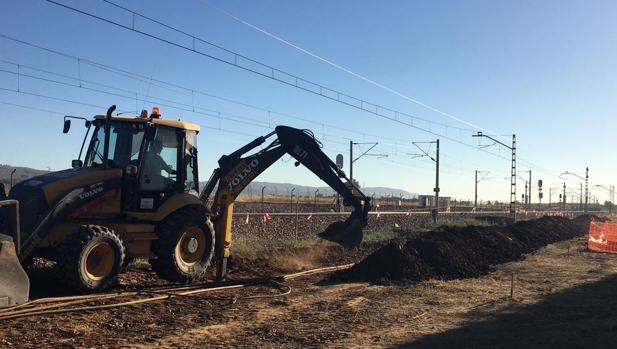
pixel 135 195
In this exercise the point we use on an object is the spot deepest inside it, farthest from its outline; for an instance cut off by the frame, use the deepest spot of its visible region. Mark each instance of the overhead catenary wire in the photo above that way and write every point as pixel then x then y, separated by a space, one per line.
pixel 218 129
pixel 131 95
pixel 276 74
pixel 340 96
pixel 194 37
pixel 187 91
pixel 175 87
pixel 338 66
pixel 183 106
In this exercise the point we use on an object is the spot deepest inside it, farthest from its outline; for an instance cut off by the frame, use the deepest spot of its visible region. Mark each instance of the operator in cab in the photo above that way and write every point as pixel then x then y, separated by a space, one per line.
pixel 154 165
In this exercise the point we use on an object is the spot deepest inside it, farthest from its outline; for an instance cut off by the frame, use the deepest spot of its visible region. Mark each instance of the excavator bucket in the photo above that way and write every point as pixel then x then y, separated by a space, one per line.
pixel 347 233
pixel 14 283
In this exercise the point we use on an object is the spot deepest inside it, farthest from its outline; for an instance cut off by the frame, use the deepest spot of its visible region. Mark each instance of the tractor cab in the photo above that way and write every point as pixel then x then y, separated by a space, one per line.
pixel 157 157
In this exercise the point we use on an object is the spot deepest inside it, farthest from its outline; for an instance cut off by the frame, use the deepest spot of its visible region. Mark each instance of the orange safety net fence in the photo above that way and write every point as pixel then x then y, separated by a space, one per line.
pixel 603 237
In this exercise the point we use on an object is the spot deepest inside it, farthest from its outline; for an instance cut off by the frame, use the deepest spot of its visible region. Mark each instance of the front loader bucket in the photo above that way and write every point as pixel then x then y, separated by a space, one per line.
pixel 347 234
pixel 14 283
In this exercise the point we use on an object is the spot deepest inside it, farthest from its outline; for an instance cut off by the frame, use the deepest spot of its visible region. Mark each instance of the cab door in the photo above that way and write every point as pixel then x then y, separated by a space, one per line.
pixel 158 174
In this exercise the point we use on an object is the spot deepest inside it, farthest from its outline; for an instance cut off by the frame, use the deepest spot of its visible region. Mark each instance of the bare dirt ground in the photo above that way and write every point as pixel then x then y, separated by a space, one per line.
pixel 563 297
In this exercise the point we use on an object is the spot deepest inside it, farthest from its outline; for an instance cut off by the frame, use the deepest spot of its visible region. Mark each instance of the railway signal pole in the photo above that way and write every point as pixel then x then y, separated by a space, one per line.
pixel 435 211
pixel 512 170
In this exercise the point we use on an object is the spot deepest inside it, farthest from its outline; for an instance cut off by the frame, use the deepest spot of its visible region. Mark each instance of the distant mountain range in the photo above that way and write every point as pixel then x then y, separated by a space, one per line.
pixel 277 189
pixel 21 173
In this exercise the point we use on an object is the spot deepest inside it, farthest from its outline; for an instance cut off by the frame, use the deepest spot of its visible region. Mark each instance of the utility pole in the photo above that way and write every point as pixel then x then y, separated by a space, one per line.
pixel 611 195
pixel 436 183
pixel 586 178
pixel 262 197
pixel 529 194
pixel 475 200
pixel 564 196
pixel 512 170
pixel 352 160
pixel 291 198
pixel 612 199
pixel 527 197
pixel 315 205
pixel 586 189
pixel 435 210
pixel 580 198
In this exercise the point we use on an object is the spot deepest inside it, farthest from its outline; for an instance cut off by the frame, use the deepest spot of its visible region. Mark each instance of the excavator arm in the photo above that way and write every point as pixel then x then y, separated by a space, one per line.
pixel 237 170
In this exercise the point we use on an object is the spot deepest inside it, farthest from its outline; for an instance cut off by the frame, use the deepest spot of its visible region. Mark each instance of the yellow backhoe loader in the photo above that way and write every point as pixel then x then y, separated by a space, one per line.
pixel 136 194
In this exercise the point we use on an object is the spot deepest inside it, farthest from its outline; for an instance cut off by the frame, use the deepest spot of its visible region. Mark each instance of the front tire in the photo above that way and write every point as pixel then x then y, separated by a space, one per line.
pixel 185 246
pixel 91 258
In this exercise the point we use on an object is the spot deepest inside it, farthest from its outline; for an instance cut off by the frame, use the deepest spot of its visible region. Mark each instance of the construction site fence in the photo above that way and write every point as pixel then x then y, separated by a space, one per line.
pixel 602 237
pixel 411 213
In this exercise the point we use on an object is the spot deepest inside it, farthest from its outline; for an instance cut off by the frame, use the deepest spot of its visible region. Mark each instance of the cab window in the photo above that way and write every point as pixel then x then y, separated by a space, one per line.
pixel 160 163
pixel 190 159
pixel 125 141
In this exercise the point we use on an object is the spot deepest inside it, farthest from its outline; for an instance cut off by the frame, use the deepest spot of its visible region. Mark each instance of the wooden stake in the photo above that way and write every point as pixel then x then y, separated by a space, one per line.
pixel 512 285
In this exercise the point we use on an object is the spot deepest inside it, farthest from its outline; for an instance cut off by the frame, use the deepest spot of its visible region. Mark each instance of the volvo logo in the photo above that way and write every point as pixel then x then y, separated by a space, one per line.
pixel 242 175
pixel 91 193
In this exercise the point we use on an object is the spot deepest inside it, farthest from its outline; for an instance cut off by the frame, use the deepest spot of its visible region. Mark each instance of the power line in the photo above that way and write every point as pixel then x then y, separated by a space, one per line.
pixel 219 129
pixel 132 94
pixel 22 91
pixel 273 73
pixel 141 78
pixel 173 86
pixel 339 67
pixel 278 74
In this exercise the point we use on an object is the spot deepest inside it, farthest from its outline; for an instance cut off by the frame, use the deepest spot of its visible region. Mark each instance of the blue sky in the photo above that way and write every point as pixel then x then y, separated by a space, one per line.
pixel 543 70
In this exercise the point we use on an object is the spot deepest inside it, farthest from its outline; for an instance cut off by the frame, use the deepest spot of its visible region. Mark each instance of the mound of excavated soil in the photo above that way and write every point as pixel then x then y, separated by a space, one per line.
pixel 460 252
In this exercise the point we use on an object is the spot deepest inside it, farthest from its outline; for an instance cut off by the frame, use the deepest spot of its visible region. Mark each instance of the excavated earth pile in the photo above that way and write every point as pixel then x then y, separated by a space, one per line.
pixel 460 252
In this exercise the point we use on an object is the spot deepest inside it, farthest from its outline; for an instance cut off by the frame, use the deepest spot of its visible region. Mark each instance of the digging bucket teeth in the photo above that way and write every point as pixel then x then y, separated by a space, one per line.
pixel 14 283
pixel 347 233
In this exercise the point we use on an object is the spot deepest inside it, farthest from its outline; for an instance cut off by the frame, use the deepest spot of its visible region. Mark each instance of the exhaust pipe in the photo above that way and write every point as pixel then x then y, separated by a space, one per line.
pixel 106 145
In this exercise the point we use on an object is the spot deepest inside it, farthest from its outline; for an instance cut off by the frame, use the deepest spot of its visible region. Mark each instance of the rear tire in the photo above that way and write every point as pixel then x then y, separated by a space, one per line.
pixel 185 246
pixel 91 258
